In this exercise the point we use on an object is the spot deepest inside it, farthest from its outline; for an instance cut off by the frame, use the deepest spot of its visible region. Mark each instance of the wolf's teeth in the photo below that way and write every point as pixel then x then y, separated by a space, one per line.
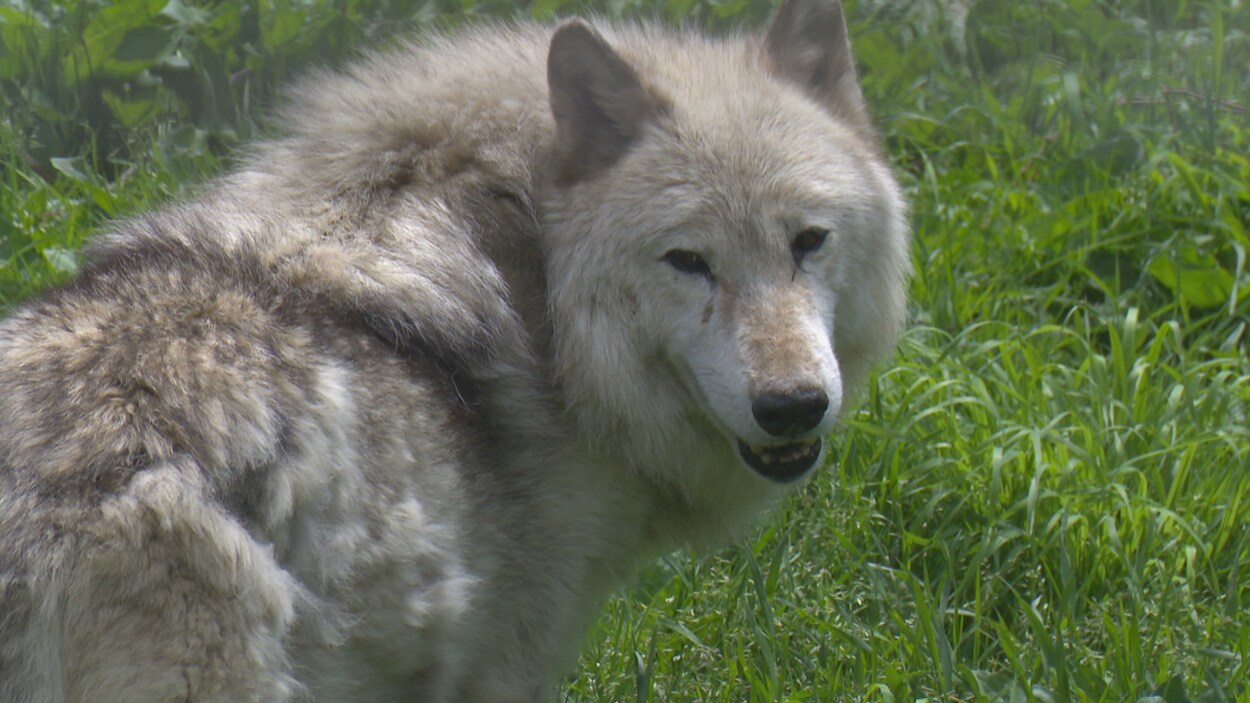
pixel 775 454
pixel 782 463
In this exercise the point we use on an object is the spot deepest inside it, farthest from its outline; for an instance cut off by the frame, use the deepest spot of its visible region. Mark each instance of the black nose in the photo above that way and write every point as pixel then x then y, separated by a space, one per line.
pixel 791 413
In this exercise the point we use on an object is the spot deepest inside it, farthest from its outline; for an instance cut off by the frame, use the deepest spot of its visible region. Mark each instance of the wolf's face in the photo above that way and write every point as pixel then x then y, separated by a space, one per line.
pixel 757 347
pixel 748 295
pixel 731 246
pixel 745 257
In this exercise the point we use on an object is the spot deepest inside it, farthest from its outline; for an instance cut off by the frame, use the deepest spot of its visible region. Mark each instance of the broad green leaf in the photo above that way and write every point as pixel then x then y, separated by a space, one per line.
pixel 1196 277
pixel 184 14
pixel 131 111
pixel 63 260
pixel 147 44
pixel 283 25
pixel 16 18
pixel 74 168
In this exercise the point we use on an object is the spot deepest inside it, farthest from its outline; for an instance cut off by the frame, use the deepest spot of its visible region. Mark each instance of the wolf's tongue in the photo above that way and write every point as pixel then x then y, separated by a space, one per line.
pixel 782 463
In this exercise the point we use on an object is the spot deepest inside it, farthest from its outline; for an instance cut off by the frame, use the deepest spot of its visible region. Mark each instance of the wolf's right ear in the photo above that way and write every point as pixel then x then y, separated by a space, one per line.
pixel 599 103
pixel 807 44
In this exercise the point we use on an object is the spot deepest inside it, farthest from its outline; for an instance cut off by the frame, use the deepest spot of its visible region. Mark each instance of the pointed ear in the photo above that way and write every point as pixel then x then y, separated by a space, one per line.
pixel 599 103
pixel 808 45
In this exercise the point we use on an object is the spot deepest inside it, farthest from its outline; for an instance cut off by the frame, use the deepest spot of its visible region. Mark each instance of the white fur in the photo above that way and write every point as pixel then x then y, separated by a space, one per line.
pixel 387 413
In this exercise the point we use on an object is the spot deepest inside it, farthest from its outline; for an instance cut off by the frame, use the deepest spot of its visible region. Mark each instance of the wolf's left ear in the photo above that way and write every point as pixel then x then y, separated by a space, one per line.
pixel 599 103
pixel 807 44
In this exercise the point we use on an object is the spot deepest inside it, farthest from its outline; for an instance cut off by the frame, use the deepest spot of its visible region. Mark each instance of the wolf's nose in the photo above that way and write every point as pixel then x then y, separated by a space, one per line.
pixel 791 413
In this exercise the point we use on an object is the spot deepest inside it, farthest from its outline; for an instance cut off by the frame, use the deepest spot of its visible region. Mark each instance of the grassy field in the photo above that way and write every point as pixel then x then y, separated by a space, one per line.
pixel 1045 497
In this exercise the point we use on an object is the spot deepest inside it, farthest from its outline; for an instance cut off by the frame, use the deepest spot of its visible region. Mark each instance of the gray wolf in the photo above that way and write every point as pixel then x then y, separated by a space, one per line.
pixel 386 413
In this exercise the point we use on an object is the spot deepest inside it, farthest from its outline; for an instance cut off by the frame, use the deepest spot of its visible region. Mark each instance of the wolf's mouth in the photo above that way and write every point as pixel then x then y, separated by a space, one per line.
pixel 782 463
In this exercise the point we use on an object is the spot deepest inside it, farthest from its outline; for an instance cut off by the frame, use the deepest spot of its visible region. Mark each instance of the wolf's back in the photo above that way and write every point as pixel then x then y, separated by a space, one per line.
pixel 181 432
pixel 138 401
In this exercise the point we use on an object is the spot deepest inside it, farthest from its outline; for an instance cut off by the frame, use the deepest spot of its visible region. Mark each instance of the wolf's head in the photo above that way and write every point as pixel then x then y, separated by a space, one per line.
pixel 727 250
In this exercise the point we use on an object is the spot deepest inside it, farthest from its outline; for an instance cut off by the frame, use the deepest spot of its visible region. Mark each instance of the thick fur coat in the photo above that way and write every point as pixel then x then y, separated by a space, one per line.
pixel 386 413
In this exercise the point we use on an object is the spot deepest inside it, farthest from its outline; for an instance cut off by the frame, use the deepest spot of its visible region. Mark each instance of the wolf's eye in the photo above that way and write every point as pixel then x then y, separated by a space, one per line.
pixel 808 241
pixel 688 261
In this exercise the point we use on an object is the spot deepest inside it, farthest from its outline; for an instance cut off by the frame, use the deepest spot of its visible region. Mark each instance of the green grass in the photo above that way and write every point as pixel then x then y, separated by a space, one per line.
pixel 1045 497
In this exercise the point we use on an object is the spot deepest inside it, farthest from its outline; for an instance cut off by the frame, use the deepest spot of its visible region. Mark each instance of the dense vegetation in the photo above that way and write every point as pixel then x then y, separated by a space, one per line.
pixel 1046 496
